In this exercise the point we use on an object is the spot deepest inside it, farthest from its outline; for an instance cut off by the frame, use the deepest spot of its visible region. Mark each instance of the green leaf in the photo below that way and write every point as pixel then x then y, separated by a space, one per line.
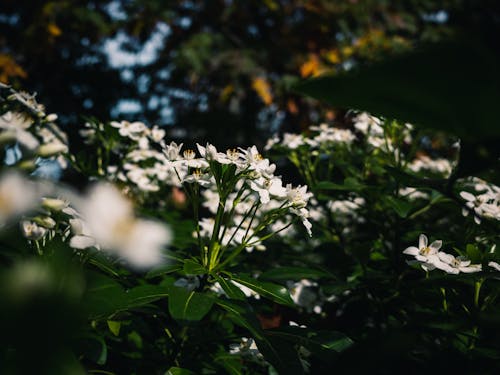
pixel 192 267
pixel 350 184
pixel 311 339
pixel 178 371
pixel 163 270
pixel 275 292
pixel 105 296
pixel 400 206
pixel 231 363
pixel 94 348
pixel 294 273
pixel 473 253
pixel 114 326
pixel 230 289
pixel 430 86
pixel 243 315
pixel 188 305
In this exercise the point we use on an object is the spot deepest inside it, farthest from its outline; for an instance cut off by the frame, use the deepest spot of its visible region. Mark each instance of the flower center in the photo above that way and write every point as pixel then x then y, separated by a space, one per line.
pixel 188 154
pixel 425 250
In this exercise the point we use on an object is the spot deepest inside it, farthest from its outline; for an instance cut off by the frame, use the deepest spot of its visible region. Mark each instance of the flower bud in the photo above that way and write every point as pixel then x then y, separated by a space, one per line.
pixel 52 149
pixel 51 117
pixel 45 221
pixel 54 204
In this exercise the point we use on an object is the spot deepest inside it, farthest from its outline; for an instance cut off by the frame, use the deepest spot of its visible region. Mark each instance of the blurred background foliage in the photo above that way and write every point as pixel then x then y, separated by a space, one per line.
pixel 208 68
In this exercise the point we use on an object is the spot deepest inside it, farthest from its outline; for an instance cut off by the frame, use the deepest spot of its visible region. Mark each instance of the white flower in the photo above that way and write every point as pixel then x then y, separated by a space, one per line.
pixel 54 204
pixel 298 196
pixel 494 265
pixel 198 177
pixel 32 231
pixel 267 188
pixel 292 141
pixel 82 237
pixel 304 293
pixel 210 153
pixel 192 161
pixel 427 254
pixel 442 166
pixel 111 221
pixel 271 142
pixel 246 347
pixel 15 126
pixel 455 265
pixel 15 120
pixel 367 124
pixel 132 130
pixel 17 195
pixel 157 134
pixel 412 193
pixel 172 151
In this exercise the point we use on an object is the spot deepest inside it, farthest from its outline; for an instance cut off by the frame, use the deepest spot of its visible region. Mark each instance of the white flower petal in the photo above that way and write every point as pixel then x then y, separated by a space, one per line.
pixel 412 250
pixel 422 241
pixel 436 245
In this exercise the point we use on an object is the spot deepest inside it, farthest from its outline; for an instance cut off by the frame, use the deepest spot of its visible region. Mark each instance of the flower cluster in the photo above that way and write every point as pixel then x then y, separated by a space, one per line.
pixel 27 132
pixel 485 203
pixel 424 163
pixel 240 187
pixel 134 154
pixel 429 257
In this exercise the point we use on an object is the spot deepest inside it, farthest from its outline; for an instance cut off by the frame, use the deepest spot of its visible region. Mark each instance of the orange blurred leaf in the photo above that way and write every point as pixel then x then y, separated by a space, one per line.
pixel 9 68
pixel 54 30
pixel 263 89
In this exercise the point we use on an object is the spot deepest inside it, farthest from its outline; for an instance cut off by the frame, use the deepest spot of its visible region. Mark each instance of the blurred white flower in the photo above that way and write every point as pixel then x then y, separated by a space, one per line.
pixel 17 195
pixel 132 130
pixel 292 141
pixel 112 222
pixel 14 126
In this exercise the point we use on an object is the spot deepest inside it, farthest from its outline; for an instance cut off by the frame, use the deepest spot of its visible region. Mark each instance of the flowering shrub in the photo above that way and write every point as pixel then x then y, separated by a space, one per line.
pixel 186 260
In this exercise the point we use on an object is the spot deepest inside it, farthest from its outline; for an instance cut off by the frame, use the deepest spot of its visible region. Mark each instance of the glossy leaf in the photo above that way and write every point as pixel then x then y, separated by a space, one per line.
pixel 230 289
pixel 192 267
pixel 188 305
pixel 269 290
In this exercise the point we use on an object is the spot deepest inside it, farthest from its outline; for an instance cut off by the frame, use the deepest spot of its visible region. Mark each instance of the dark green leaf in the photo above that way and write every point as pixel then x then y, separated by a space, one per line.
pixel 473 253
pixel 400 206
pixel 325 340
pixel 430 86
pixel 350 184
pixel 163 270
pixel 188 305
pixel 272 291
pixel 105 297
pixel 178 371
pixel 192 267
pixel 230 289
pixel 294 273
